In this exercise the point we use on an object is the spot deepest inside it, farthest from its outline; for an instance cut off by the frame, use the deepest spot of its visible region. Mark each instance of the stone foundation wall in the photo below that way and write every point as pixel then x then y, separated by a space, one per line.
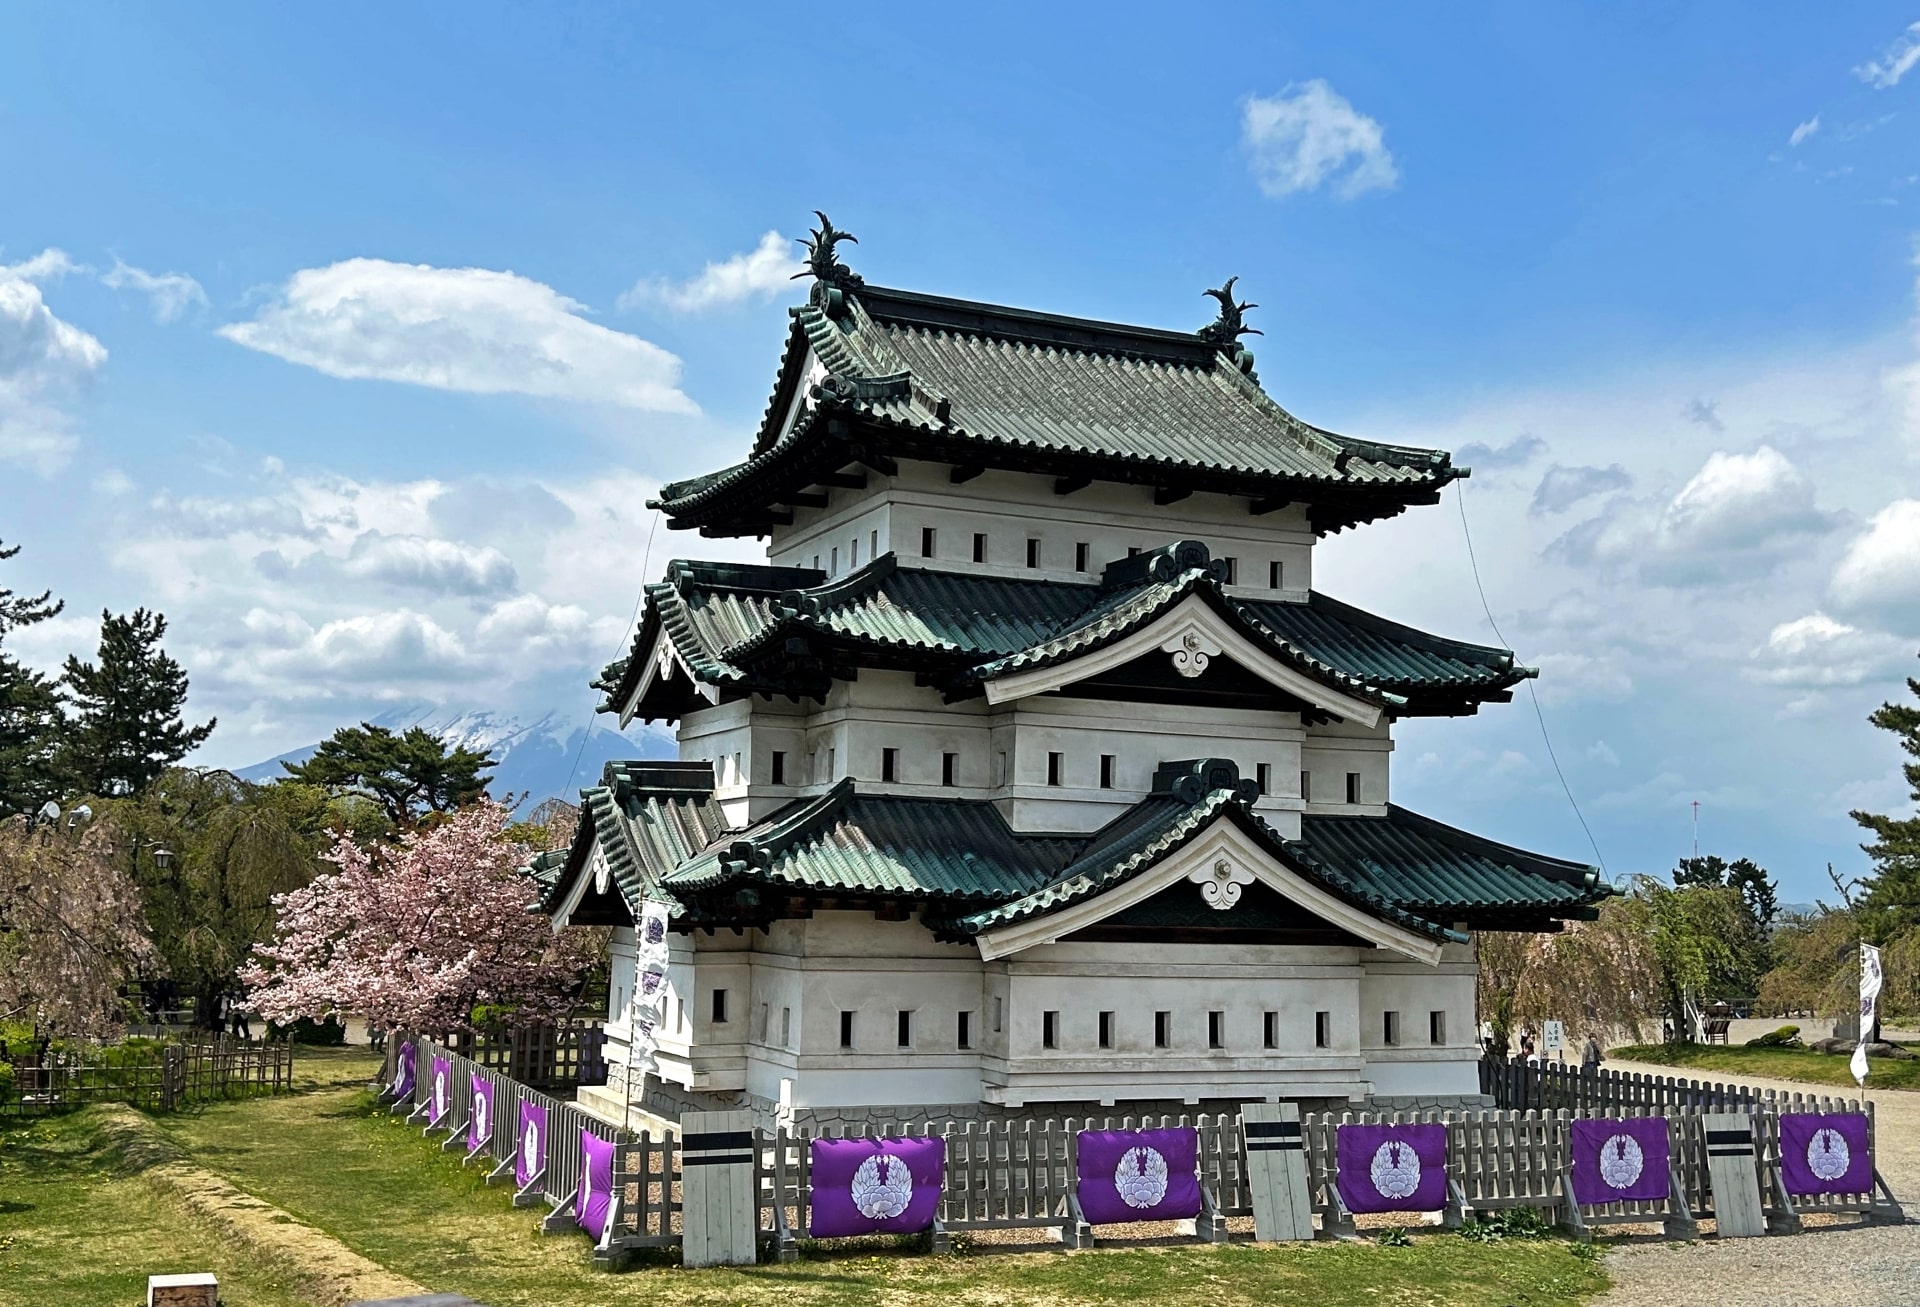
pixel 1427 1102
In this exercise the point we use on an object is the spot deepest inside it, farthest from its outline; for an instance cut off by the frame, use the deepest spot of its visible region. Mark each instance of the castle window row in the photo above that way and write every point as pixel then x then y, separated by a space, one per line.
pixel 1055 1032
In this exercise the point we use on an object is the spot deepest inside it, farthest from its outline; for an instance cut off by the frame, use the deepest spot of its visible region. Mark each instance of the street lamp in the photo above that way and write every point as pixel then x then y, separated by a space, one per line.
pixel 163 858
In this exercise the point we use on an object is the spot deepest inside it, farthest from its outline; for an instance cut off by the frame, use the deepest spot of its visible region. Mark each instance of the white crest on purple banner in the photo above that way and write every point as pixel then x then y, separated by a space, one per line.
pixel 882 1188
pixel 1621 1161
pixel 439 1092
pixel 1141 1177
pixel 530 1144
pixel 1828 1155
pixel 480 1110
pixel 1396 1169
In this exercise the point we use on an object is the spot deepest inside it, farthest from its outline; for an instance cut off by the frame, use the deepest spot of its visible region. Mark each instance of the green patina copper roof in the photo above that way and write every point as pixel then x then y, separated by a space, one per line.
pixel 846 842
pixel 733 625
pixel 922 376
pixel 664 839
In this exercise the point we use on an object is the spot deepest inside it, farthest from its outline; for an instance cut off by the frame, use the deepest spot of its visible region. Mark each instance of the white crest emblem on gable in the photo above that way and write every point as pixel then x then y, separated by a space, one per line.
pixel 1220 882
pixel 602 873
pixel 1191 650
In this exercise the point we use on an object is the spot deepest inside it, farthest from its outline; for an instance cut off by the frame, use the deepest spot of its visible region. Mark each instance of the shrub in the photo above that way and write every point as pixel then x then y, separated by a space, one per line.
pixel 1393 1237
pixel 1784 1037
pixel 1507 1223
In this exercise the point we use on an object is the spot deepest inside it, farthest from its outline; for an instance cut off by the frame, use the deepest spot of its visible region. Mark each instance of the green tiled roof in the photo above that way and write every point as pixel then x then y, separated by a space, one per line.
pixel 664 839
pixel 846 842
pixel 948 380
pixel 1435 869
pixel 733 625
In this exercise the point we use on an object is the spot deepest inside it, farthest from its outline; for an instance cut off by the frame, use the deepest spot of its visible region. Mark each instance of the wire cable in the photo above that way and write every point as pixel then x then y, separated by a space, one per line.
pixel 1460 498
pixel 639 598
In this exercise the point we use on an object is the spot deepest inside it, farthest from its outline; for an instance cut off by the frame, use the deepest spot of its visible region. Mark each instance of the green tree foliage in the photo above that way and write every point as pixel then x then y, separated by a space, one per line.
pixel 1891 905
pixel 30 715
pixel 127 726
pixel 1815 963
pixel 231 847
pixel 1743 874
pixel 409 774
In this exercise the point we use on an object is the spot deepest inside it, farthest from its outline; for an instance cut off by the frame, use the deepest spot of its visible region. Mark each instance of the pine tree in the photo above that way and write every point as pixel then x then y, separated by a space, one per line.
pixel 409 775
pixel 30 717
pixel 127 727
pixel 1891 904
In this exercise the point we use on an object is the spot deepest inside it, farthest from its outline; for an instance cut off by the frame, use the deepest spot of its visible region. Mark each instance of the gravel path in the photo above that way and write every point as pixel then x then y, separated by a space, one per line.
pixel 1850 1266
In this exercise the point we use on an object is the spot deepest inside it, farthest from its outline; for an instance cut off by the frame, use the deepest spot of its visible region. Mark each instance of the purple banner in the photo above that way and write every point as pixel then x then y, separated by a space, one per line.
pixel 1620 1160
pixel 594 1198
pixel 1139 1175
pixel 480 1119
pixel 442 1090
pixel 530 1157
pixel 875 1186
pixel 403 1072
pixel 1392 1168
pixel 1825 1153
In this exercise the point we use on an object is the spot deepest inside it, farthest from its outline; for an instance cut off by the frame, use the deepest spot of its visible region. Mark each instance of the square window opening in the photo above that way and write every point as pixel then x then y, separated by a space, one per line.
pixel 720 1007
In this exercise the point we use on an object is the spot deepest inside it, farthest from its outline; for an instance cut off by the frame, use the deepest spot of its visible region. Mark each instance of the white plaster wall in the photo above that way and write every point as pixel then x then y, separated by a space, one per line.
pixel 1011 507
pixel 1332 750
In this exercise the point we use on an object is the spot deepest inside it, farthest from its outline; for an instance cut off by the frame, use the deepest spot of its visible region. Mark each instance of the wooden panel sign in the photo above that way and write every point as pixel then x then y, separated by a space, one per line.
pixel 719 1217
pixel 1735 1175
pixel 1277 1171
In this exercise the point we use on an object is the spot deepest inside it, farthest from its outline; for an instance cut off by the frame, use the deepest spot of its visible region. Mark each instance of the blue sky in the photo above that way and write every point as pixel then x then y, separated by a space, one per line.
pixel 355 341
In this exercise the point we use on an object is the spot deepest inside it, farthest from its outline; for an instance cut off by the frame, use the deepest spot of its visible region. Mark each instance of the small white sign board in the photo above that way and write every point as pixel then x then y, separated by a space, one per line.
pixel 1553 1036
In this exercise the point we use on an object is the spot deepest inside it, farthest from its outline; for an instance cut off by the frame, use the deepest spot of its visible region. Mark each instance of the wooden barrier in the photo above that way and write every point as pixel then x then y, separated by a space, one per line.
pixel 719 1154
pixel 1276 1151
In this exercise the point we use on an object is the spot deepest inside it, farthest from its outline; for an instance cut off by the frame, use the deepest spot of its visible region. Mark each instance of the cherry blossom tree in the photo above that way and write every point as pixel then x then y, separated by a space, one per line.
pixel 420 936
pixel 72 933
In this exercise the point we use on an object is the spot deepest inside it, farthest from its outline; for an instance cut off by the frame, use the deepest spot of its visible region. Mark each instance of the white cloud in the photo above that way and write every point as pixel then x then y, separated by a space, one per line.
pixel 1895 62
pixel 765 270
pixel 1880 573
pixel 1518 452
pixel 1817 652
pixel 1706 412
pixel 172 293
pixel 1804 130
pixel 426 563
pixel 1563 487
pixel 44 361
pixel 465 329
pixel 1738 501
pixel 1309 135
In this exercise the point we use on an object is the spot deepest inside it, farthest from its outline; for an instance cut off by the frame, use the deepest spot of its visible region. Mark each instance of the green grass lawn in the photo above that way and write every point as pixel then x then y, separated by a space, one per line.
pixel 329 1159
pixel 1774 1063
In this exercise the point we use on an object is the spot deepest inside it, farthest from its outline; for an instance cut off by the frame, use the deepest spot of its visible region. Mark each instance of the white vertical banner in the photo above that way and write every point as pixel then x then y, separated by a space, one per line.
pixel 649 985
pixel 1870 978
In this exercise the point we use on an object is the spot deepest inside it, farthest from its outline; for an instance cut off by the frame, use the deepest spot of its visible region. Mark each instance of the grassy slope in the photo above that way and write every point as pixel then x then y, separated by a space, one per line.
pixel 391 1196
pixel 1775 1063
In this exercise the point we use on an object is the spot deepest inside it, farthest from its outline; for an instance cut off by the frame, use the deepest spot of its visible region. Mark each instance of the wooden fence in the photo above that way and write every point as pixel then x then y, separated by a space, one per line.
pixel 160 1077
pixel 547 1057
pixel 1023 1173
pixel 1549 1086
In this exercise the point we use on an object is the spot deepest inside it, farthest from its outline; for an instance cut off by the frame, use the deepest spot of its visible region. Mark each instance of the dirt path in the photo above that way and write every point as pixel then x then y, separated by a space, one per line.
pixel 329 1271
pixel 1846 1267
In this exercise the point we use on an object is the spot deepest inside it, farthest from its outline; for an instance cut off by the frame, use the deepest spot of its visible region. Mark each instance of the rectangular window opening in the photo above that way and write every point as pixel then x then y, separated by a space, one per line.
pixel 1132 550
pixel 1000 768
pixel 1106 1030
pixel 1106 771
pixel 906 1028
pixel 949 768
pixel 1436 1027
pixel 997 1013
pixel 1082 555
pixel 1056 762
pixel 889 765
pixel 1232 569
pixel 833 558
pixel 1216 1030
pixel 1270 1032
pixel 963 1031
pixel 1162 1029
pixel 1276 575
pixel 1323 1030
pixel 816 562
pixel 1390 1027
pixel 873 544
pixel 777 772
pixel 786 1027
pixel 927 539
pixel 719 1007
pixel 1306 787
pixel 833 763
pixel 846 1030
pixel 1049 1030
pixel 1353 787
pixel 1263 777
pixel 979 546
pixel 1033 551
pixel 853 553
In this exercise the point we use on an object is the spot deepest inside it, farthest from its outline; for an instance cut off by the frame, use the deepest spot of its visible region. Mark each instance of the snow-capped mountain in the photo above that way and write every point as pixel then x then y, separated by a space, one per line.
pixel 534 759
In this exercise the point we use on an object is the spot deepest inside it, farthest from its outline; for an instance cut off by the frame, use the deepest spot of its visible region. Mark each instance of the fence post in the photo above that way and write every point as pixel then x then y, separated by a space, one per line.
pixel 719 1209
pixel 173 1078
pixel 1731 1164
pixel 1277 1171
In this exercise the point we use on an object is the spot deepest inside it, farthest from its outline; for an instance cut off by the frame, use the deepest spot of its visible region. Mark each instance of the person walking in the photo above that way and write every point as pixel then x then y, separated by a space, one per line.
pixel 1590 1057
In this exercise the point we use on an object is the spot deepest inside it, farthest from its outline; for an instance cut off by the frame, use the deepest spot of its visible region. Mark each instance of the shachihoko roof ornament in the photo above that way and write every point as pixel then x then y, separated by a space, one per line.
pixel 1224 332
pixel 824 266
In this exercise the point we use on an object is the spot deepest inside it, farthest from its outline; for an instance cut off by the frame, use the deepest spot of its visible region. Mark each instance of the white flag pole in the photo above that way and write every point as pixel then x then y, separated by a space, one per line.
pixel 1870 976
